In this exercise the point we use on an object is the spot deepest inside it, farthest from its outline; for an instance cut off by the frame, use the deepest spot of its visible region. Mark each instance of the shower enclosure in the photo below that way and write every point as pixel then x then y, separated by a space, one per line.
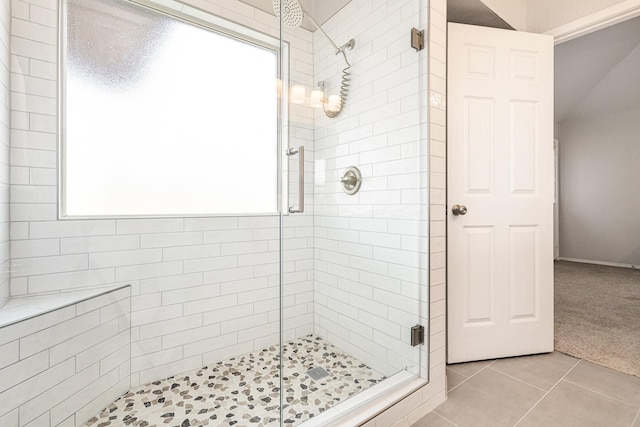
pixel 255 172
pixel 354 262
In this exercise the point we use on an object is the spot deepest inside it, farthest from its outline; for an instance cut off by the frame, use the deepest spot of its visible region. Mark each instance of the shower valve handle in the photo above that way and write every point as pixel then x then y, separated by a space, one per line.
pixel 349 180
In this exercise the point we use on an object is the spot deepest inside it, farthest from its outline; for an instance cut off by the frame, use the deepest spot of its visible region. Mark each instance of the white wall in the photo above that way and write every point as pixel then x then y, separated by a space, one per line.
pixel 5 115
pixel 599 176
pixel 203 288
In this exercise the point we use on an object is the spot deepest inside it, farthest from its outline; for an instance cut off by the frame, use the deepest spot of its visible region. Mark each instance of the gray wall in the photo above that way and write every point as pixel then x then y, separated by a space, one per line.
pixel 599 188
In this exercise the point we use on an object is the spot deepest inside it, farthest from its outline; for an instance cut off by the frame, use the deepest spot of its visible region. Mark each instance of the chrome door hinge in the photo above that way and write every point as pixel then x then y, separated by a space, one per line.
pixel 417 335
pixel 417 39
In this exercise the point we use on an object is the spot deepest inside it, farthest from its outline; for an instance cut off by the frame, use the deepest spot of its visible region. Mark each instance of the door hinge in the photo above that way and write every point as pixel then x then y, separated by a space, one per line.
pixel 417 39
pixel 417 335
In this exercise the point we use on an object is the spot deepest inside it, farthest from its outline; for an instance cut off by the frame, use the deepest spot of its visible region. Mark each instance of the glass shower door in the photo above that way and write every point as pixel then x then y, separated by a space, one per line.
pixel 354 263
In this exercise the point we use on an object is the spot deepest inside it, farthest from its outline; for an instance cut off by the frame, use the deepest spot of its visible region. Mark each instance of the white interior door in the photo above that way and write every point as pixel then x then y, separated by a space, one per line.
pixel 500 167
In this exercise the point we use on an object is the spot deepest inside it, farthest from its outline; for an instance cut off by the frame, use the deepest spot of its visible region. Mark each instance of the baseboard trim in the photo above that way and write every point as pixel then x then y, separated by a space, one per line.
pixel 590 261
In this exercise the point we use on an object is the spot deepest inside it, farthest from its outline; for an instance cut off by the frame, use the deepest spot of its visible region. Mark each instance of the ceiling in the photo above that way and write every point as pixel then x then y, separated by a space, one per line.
pixel 474 12
pixel 321 11
pixel 598 73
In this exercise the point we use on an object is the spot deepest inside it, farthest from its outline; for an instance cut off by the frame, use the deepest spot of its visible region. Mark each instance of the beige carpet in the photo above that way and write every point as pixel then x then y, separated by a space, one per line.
pixel 597 314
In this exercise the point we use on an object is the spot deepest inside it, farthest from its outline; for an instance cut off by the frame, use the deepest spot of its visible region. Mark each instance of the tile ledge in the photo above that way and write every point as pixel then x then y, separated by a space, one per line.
pixel 20 308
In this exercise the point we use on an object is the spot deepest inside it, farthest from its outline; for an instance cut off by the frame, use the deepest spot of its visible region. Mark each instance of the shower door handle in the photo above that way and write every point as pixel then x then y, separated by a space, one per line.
pixel 292 152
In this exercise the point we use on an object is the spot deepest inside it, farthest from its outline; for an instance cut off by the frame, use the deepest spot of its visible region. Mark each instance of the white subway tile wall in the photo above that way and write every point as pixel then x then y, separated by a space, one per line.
pixel 203 288
pixel 5 150
pixel 371 248
pixel 66 365
pixel 409 410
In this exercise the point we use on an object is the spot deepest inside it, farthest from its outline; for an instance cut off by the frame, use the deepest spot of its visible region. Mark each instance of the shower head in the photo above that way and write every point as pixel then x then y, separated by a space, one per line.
pixel 292 13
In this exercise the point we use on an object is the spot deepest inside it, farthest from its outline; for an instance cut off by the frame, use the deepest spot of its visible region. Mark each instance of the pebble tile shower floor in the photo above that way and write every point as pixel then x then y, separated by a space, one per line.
pixel 244 390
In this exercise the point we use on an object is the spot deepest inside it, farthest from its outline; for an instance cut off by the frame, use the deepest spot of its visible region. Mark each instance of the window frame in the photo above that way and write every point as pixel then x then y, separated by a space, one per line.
pixel 207 21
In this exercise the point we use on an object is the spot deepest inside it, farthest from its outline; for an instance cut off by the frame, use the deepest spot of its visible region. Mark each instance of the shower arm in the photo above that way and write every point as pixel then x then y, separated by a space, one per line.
pixel 313 21
pixel 344 85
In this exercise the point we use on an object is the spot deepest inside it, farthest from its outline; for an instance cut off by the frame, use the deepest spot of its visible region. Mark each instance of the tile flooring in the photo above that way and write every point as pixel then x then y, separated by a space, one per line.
pixel 533 391
pixel 244 390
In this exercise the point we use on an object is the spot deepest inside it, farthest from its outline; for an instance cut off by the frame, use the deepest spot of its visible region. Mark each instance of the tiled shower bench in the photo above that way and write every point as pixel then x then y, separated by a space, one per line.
pixel 63 357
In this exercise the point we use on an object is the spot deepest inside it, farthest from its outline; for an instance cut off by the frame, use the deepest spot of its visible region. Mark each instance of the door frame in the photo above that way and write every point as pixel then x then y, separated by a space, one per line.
pixel 621 12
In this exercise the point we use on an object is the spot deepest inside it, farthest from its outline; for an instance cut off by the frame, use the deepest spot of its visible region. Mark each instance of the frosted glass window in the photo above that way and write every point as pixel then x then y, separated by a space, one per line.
pixel 165 117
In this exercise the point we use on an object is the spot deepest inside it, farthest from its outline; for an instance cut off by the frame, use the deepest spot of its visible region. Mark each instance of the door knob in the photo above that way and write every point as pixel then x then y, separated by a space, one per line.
pixel 459 210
